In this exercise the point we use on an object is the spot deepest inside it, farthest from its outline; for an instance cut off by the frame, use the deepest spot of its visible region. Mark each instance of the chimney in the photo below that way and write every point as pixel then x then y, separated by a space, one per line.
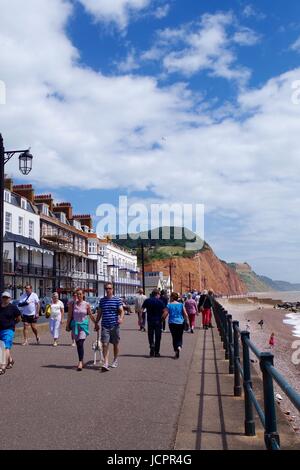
pixel 24 190
pixel 8 184
pixel 84 219
pixel 64 207
pixel 44 199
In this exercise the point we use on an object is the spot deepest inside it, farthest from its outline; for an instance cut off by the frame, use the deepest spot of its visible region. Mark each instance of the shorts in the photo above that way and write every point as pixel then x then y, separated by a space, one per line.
pixel 7 336
pixel 29 319
pixel 110 335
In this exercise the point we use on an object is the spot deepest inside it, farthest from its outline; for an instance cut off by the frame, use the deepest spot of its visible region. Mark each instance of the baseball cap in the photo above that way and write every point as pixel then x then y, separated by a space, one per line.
pixel 6 294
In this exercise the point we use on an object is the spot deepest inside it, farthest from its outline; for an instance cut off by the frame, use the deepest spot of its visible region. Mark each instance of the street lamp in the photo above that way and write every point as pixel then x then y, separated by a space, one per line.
pixel 25 167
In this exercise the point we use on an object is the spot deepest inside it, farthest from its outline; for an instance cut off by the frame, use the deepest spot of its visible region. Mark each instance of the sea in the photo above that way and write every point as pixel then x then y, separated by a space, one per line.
pixel 292 319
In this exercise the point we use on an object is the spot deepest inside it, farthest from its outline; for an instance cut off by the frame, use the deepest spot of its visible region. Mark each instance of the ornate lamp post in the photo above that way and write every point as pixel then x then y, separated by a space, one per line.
pixel 25 167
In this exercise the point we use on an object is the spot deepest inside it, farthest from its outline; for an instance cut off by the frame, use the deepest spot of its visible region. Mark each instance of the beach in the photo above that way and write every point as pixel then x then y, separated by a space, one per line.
pixel 286 337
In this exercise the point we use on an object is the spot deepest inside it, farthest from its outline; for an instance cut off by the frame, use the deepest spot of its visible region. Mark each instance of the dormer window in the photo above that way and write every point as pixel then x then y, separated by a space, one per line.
pixel 7 197
pixel 24 204
pixel 45 209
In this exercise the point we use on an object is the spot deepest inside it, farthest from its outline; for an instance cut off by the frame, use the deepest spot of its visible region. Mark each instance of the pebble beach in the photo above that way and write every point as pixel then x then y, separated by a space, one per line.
pixel 285 326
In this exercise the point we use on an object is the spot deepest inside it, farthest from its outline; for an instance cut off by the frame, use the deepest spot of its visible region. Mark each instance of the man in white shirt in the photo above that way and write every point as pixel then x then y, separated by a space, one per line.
pixel 30 308
pixel 139 300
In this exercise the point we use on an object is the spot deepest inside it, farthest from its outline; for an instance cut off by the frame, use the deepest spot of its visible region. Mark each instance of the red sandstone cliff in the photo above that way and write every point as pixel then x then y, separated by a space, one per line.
pixel 207 271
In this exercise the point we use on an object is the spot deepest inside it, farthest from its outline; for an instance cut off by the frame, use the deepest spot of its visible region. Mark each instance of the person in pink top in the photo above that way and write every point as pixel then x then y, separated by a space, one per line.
pixel 192 311
pixel 272 341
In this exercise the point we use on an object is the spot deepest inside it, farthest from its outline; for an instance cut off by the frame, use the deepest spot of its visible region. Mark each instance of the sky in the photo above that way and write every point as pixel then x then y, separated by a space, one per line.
pixel 169 101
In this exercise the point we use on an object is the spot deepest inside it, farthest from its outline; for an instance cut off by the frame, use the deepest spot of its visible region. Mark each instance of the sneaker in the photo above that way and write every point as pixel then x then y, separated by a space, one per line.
pixel 192 331
pixel 115 364
pixel 73 344
pixel 157 355
pixel 105 368
pixel 177 354
pixel 55 344
pixel 25 343
pixel 38 340
pixel 152 353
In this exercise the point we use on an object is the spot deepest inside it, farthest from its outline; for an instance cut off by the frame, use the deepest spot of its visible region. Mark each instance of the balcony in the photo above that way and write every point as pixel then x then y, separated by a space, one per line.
pixel 7 267
pixel 33 270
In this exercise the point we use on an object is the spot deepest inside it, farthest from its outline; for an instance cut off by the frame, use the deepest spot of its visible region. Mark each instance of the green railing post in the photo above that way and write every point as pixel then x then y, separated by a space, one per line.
pixel 230 344
pixel 249 419
pixel 236 346
pixel 226 335
pixel 271 434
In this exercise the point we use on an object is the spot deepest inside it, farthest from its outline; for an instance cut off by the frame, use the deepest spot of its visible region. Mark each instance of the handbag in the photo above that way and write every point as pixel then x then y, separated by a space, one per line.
pixel 25 302
pixel 48 311
pixel 202 306
pixel 186 325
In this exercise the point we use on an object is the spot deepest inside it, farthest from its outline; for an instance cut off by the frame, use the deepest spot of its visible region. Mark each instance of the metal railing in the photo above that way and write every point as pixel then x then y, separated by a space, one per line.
pixel 232 337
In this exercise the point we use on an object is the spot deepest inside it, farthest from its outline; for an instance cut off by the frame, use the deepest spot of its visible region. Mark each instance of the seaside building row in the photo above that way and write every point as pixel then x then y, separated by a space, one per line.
pixel 49 247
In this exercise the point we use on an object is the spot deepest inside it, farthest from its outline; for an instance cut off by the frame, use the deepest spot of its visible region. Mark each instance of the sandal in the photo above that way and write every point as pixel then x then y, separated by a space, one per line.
pixel 10 365
pixel 2 371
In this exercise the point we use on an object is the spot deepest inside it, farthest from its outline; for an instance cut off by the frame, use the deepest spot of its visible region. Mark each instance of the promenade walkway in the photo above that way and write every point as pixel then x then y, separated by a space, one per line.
pixel 146 403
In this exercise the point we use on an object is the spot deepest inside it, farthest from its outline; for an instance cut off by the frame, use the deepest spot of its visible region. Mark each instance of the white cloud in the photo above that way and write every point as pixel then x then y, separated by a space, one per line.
pixel 204 45
pixel 250 11
pixel 296 45
pixel 88 130
pixel 116 11
pixel 129 64
pixel 162 12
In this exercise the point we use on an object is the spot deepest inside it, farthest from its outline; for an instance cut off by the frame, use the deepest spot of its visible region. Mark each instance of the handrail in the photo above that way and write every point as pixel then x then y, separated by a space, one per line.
pixel 232 336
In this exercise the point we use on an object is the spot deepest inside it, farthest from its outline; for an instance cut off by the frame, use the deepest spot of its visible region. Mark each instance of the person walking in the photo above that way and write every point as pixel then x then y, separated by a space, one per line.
pixel 139 310
pixel 205 306
pixel 192 311
pixel 177 314
pixel 165 300
pixel 111 314
pixel 272 341
pixel 30 308
pixel 10 315
pixel 71 304
pixel 56 317
pixel 78 322
pixel 155 309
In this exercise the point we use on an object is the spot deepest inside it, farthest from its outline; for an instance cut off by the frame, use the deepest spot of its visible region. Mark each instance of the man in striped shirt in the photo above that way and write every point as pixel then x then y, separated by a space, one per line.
pixel 111 314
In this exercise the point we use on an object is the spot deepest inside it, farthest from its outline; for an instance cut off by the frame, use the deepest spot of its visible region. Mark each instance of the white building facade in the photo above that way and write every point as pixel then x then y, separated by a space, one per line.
pixel 25 261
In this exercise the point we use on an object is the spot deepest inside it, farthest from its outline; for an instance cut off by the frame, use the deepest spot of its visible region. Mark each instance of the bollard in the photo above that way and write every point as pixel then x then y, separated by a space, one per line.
pixel 230 344
pixel 236 346
pixel 271 434
pixel 249 420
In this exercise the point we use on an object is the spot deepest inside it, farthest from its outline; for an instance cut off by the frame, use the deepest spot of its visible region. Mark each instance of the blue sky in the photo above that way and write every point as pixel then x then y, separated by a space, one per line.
pixel 163 100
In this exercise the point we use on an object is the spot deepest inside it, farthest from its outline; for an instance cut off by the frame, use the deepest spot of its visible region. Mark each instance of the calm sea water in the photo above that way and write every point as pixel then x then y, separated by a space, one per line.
pixel 292 319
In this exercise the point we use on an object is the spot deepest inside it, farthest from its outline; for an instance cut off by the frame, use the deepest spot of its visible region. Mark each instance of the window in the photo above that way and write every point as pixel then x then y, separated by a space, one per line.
pixel 31 229
pixel 24 204
pixel 21 226
pixel 45 209
pixel 7 197
pixel 8 218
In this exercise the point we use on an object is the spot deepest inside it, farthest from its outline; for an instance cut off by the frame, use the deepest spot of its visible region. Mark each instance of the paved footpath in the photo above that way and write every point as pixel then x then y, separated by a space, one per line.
pixel 146 403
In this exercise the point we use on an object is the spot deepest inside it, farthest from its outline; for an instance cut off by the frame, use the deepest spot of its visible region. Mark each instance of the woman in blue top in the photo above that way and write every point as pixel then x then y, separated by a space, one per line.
pixel 177 315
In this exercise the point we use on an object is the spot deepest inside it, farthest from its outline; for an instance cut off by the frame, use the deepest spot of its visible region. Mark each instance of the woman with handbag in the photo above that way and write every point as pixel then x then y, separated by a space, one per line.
pixel 55 312
pixel 78 322
pixel 177 318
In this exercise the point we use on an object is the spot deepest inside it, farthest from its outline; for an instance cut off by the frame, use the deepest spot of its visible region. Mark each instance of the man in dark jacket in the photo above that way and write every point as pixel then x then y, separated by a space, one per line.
pixel 155 309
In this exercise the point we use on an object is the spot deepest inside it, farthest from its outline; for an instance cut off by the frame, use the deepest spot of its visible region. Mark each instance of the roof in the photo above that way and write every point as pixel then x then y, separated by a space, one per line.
pixel 11 237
